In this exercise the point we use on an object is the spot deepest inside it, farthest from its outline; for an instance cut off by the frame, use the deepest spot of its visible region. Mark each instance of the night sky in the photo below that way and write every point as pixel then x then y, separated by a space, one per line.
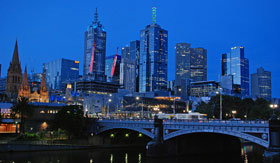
pixel 49 30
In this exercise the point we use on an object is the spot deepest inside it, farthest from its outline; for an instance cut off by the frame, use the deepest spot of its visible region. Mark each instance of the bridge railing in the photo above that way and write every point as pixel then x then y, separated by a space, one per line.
pixel 187 121
pixel 216 121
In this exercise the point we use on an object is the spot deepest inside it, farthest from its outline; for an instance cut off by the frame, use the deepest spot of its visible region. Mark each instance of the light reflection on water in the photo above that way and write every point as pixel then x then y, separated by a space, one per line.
pixel 249 153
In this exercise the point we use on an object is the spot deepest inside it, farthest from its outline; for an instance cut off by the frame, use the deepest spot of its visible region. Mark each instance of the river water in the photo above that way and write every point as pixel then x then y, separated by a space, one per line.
pixel 249 154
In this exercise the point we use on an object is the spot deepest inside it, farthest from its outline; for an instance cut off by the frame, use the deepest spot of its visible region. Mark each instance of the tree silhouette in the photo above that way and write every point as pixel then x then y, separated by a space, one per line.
pixel 23 110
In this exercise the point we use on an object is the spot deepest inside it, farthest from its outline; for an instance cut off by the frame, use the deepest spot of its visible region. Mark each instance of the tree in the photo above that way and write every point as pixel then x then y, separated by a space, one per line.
pixel 24 110
pixel 205 109
pixel 260 110
pixel 71 119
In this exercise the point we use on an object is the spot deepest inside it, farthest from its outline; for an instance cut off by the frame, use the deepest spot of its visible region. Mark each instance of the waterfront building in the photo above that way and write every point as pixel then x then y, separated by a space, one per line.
pixel 154 105
pixel 59 71
pixel 42 95
pixel 235 64
pixel 95 87
pixel 153 58
pixel 203 88
pixel 261 84
pixel 113 68
pixel 95 51
pixel 14 76
pixel 191 66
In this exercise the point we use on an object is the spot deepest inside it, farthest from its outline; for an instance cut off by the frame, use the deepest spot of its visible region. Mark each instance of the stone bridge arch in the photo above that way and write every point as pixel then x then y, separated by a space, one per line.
pixel 143 131
pixel 245 136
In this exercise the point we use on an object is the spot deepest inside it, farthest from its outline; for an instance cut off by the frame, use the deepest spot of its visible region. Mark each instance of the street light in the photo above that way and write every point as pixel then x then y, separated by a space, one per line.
pixel 221 103
pixel 273 107
pixel 142 110
pixel 233 113
pixel 108 110
pixel 174 101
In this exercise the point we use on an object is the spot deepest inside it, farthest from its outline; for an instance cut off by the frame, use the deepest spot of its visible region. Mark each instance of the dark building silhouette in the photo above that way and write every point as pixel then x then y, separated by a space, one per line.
pixel 14 76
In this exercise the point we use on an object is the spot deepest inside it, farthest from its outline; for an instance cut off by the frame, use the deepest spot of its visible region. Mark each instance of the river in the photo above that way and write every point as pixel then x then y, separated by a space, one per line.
pixel 250 153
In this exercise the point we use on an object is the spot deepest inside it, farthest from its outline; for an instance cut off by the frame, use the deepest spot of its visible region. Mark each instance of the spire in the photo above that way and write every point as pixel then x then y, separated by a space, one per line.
pixel 96 16
pixel 15 55
pixel 25 79
pixel 43 86
pixel 154 10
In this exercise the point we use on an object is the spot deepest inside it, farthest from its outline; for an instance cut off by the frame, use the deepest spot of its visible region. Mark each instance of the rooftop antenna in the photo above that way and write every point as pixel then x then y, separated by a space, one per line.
pixel 96 16
pixel 154 11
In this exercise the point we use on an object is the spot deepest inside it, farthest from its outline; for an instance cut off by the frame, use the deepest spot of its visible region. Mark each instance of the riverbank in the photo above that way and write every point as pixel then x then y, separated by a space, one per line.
pixel 32 146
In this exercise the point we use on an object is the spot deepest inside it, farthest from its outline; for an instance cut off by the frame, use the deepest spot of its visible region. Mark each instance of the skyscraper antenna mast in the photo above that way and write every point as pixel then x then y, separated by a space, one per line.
pixel 96 16
pixel 154 11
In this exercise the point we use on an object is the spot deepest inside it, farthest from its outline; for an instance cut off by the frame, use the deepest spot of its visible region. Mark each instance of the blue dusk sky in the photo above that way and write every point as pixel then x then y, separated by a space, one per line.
pixel 53 29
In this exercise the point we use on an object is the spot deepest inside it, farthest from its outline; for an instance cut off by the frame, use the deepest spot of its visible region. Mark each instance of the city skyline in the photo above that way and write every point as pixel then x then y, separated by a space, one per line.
pixel 59 45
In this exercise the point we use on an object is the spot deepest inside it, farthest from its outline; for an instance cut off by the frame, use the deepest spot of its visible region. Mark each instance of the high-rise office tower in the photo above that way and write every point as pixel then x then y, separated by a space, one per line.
pixel 95 51
pixel 191 66
pixel 236 65
pixel 261 84
pixel 113 68
pixel 198 64
pixel 60 71
pixel 135 56
pixel 14 76
pixel 153 58
pixel 128 66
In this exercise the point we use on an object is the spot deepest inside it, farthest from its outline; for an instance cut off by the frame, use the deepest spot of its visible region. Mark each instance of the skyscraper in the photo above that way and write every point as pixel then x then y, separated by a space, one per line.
pixel 14 76
pixel 191 66
pixel 236 65
pixel 113 68
pixel 0 71
pixel 135 56
pixel 261 84
pixel 128 66
pixel 153 58
pixel 59 71
pixel 95 51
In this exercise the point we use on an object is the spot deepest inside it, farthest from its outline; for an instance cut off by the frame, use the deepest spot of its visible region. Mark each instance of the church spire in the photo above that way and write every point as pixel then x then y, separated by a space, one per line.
pixel 15 55
pixel 25 79
pixel 43 87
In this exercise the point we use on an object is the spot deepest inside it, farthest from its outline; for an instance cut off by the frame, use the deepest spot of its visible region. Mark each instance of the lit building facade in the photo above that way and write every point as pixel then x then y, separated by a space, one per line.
pixel 130 66
pixel 236 65
pixel 153 59
pixel 113 68
pixel 191 66
pixel 203 88
pixel 95 51
pixel 261 84
pixel 59 71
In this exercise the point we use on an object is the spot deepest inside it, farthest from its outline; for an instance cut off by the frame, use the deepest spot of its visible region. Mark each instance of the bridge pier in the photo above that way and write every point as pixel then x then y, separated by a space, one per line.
pixel 156 147
pixel 274 138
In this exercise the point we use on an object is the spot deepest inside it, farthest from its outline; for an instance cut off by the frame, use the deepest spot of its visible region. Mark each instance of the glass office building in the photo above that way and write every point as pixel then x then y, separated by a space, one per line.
pixel 60 71
pixel 95 51
pixel 191 66
pixel 261 84
pixel 235 64
pixel 153 59
pixel 113 68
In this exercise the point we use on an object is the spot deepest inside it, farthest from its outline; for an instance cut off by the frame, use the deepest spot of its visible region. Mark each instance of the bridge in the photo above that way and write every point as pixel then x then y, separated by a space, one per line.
pixel 254 131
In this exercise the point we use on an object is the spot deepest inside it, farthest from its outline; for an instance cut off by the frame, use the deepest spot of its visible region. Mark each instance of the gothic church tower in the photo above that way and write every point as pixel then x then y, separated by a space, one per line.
pixel 14 76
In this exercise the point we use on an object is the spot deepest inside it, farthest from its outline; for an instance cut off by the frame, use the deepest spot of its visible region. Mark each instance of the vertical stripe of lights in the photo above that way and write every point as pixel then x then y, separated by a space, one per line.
pixel 92 57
